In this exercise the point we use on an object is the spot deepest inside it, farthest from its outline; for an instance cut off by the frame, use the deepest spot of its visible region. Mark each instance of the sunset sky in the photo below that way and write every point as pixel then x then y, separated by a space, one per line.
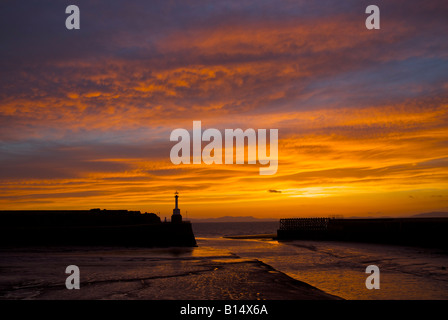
pixel 86 115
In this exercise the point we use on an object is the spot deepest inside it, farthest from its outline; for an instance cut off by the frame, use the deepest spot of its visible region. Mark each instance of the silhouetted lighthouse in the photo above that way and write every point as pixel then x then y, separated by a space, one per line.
pixel 176 217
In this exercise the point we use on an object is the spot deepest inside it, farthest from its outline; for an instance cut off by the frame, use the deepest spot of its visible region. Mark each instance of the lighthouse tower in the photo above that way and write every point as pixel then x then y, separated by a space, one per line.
pixel 176 217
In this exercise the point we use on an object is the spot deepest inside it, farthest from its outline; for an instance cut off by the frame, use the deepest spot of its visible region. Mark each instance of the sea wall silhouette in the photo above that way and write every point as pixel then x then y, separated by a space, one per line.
pixel 92 227
pixel 428 232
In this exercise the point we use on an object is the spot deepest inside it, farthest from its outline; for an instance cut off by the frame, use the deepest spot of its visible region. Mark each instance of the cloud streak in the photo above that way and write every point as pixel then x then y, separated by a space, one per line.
pixel 85 117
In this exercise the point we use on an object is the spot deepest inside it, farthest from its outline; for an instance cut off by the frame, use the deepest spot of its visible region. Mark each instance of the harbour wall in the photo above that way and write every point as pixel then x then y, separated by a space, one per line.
pixel 428 232
pixel 92 228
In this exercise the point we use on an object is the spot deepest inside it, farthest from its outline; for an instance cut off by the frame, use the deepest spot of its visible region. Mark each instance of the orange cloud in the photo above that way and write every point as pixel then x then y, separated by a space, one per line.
pixel 362 118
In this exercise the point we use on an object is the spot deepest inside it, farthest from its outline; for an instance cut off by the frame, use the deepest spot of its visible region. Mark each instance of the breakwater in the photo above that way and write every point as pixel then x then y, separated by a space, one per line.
pixel 92 228
pixel 428 232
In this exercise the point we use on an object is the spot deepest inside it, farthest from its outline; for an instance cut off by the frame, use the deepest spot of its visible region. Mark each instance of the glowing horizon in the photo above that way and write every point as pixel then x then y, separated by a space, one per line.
pixel 362 115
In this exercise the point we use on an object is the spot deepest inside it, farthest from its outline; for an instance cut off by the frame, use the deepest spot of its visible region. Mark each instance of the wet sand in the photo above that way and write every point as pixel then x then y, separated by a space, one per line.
pixel 146 274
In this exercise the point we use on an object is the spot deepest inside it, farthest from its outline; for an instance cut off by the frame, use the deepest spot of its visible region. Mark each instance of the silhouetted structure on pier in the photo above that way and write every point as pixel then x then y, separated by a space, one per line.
pixel 176 217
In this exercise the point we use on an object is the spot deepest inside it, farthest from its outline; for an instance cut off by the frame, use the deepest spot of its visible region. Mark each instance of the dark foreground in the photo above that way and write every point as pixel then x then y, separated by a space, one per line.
pixel 92 228
pixel 145 274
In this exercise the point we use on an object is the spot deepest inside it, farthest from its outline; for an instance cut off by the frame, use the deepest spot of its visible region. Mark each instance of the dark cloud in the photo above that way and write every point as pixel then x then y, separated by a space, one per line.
pixel 95 106
pixel 34 160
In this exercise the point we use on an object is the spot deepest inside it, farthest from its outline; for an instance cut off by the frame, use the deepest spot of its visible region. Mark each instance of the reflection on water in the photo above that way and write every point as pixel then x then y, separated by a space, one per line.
pixel 217 268
pixel 339 267
pixel 203 273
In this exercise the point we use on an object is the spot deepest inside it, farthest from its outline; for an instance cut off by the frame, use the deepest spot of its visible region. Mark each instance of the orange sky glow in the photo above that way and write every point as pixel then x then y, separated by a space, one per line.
pixel 362 115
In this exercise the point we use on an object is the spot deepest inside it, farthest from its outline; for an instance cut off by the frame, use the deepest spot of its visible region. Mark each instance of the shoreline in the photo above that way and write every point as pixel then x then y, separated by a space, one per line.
pixel 139 274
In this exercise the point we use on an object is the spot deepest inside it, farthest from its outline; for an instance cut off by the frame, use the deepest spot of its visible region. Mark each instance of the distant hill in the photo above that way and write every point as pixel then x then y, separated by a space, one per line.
pixel 253 219
pixel 431 215
pixel 232 219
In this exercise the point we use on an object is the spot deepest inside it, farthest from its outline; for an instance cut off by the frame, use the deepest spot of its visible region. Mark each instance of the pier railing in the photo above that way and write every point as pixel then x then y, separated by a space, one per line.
pixel 304 224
